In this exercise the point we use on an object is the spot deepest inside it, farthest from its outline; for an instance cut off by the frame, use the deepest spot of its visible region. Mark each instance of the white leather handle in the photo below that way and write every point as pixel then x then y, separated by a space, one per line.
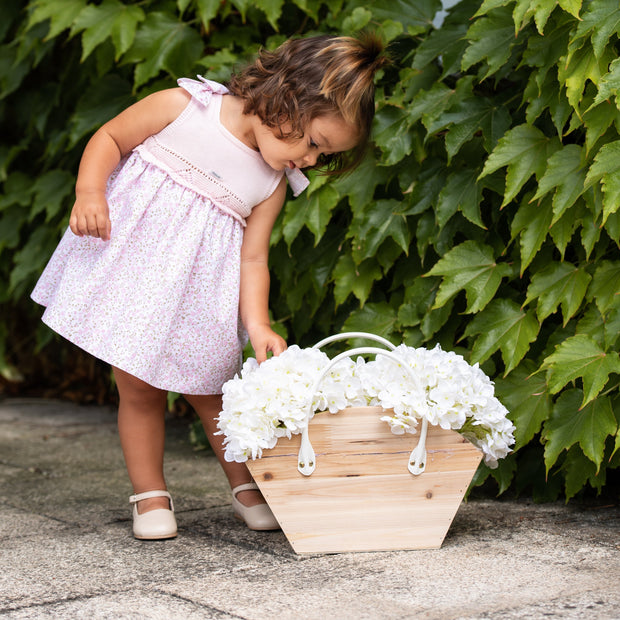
pixel 347 335
pixel 306 463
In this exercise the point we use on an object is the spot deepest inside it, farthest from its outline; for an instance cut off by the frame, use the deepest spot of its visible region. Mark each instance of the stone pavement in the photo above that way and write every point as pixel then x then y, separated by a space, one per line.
pixel 66 550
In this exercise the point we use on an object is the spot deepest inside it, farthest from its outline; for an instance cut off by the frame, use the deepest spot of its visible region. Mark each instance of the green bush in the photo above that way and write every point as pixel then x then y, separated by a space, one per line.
pixel 485 219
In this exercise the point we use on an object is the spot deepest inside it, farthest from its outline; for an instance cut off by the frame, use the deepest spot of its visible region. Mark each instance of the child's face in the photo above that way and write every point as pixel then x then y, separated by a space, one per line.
pixel 324 135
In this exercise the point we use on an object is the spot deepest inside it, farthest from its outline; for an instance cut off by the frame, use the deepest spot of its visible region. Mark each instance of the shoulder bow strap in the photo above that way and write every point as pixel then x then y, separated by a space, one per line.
pixel 297 180
pixel 203 89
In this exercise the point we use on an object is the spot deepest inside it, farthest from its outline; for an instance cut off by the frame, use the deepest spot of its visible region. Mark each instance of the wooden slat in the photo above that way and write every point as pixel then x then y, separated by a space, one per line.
pixel 361 496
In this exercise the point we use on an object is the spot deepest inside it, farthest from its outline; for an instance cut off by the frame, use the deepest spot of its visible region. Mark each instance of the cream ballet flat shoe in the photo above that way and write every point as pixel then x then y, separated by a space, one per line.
pixel 155 524
pixel 257 517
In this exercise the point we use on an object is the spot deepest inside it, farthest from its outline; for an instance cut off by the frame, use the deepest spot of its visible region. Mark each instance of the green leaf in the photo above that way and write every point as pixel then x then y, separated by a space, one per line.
pixel 525 151
pixel 429 104
pixel 378 223
pixel 359 186
pixel 562 231
pixel 468 117
pixel 99 103
pixel 425 234
pixel 612 227
pixel 111 19
pixel 558 283
pixel 564 174
pixel 605 287
pixel 163 43
pixel 359 19
pixel 392 134
pixel 590 233
pixel 491 40
pixel 544 53
pixel 570 6
pixel 463 193
pixel 313 212
pixel 17 189
pixel 272 9
pixel 579 470
pixel 502 325
pixel 598 120
pixel 11 222
pixel 376 318
pixel 207 10
pixel 31 258
pixel 580 357
pixel 415 15
pixel 606 169
pixel 524 394
pixel 591 324
pixel 470 266
pixel 357 279
pixel 425 188
pixel 61 14
pixel 599 21
pixel 50 191
pixel 446 44
pixel 570 424
pixel 532 222
pixel 577 68
pixel 609 84
pixel 419 297
pixel 242 6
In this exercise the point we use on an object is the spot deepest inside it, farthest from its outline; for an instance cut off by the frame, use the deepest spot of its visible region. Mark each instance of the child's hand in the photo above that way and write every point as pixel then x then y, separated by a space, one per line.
pixel 263 340
pixel 91 217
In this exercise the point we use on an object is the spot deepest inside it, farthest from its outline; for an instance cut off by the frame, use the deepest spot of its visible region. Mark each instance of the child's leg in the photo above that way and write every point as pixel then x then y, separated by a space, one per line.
pixel 141 428
pixel 208 408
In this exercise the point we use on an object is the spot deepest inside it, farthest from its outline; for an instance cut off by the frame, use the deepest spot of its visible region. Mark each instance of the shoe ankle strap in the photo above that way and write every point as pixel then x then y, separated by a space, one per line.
pixel 133 499
pixel 248 486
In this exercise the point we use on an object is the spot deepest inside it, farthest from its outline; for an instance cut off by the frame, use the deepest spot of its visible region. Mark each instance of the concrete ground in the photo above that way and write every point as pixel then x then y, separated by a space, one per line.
pixel 66 549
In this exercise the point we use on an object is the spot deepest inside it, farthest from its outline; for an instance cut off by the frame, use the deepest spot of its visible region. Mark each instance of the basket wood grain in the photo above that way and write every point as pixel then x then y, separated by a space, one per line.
pixel 361 496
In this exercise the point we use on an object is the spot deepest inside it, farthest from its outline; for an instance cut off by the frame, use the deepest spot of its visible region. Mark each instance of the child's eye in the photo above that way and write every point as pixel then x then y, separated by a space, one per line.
pixel 313 144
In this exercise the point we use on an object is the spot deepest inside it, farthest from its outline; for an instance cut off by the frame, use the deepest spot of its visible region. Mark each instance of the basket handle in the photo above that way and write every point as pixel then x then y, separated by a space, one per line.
pixel 346 335
pixel 307 458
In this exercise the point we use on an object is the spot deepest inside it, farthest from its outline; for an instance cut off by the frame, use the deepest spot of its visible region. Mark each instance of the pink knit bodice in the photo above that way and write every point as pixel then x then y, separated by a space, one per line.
pixel 197 151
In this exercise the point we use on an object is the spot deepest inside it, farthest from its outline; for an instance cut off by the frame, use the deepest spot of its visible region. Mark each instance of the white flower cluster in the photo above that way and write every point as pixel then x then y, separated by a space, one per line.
pixel 271 400
pixel 448 392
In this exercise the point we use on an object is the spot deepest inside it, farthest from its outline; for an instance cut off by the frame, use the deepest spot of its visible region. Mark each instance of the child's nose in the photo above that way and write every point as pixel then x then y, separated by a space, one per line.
pixel 311 159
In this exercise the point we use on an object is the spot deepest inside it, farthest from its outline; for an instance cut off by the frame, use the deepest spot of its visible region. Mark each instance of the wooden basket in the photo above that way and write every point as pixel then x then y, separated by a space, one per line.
pixel 362 494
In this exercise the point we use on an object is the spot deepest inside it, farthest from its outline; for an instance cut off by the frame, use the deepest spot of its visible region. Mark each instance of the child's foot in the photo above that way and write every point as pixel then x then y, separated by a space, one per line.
pixel 256 513
pixel 152 503
pixel 251 497
pixel 153 515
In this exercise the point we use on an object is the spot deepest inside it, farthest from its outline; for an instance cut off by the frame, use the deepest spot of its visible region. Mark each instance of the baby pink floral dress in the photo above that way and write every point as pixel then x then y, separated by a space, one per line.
pixel 160 300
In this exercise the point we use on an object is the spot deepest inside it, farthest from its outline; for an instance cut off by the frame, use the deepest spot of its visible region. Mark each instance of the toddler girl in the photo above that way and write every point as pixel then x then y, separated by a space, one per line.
pixel 163 273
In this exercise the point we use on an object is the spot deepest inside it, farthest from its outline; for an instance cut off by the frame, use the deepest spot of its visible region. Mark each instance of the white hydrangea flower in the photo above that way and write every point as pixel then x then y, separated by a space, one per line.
pixel 273 400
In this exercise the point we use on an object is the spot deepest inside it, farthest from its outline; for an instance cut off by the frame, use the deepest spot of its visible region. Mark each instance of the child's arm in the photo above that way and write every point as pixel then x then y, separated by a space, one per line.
pixel 254 292
pixel 105 149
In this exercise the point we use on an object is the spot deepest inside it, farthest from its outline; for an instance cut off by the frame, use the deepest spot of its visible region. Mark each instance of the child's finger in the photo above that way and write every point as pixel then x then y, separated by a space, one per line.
pixel 261 354
pixel 73 225
pixel 103 227
pixel 81 227
pixel 277 346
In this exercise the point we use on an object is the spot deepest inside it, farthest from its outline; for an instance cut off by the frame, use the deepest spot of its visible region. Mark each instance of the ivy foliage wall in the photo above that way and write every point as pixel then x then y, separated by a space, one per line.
pixel 485 218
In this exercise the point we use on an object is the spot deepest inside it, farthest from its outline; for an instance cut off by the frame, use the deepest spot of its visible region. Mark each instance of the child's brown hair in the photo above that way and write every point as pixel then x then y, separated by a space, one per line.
pixel 306 78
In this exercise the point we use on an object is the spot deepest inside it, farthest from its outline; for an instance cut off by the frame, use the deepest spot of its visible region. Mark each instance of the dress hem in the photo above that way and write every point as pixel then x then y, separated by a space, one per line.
pixel 133 373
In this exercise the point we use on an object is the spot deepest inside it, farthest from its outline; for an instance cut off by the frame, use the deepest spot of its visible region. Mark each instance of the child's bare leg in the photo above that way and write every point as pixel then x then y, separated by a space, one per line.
pixel 141 429
pixel 208 408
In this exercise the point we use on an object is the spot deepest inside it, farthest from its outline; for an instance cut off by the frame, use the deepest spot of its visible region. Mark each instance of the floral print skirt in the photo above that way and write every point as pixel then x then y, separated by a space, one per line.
pixel 160 300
